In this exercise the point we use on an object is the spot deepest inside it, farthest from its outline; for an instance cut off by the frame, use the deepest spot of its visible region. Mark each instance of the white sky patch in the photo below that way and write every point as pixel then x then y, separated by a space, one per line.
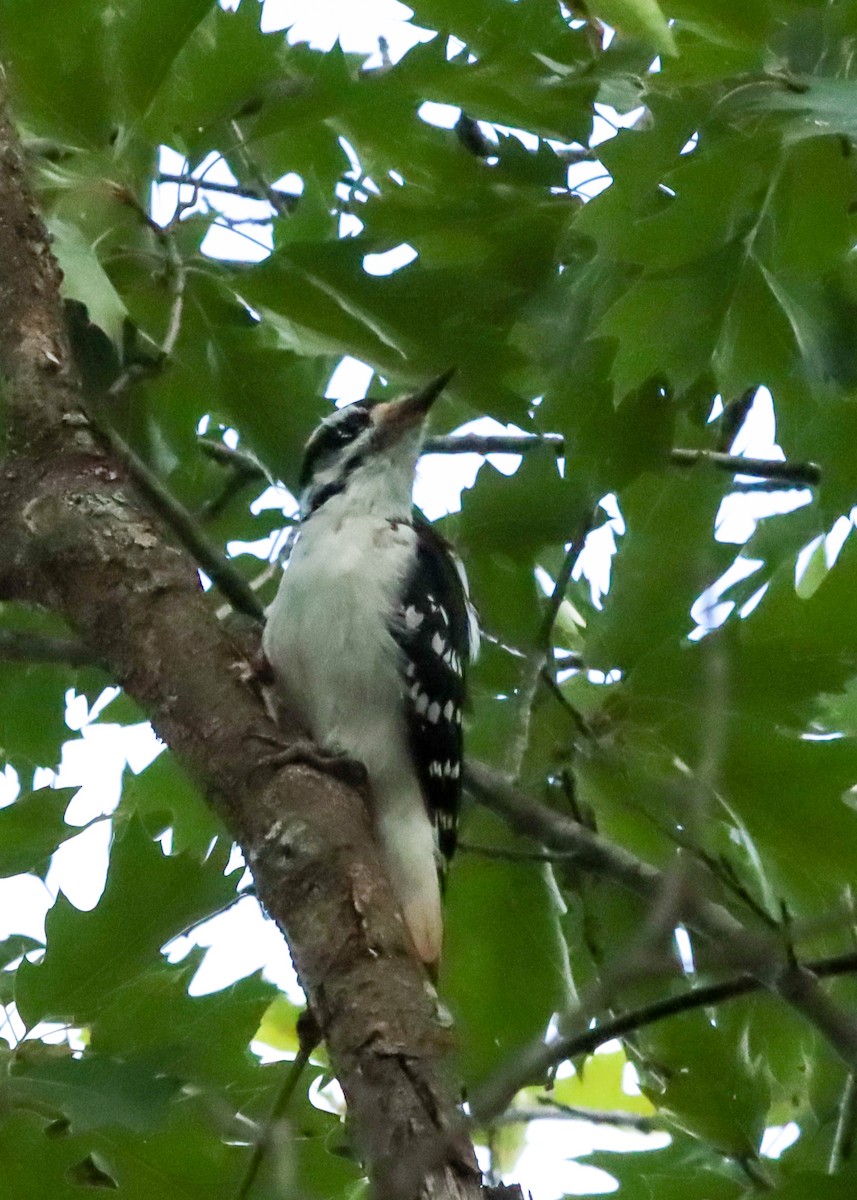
pixel 238 243
pixel 708 611
pixel 547 1164
pixel 740 512
pixel 595 560
pixel 586 179
pixel 276 496
pixel 389 261
pixel 441 478
pixel 349 225
pixel 608 121
pixel 444 116
pixel 684 949
pixel 833 543
pixel 350 381
pixel 10 785
pixel 291 184
pixel 24 904
pixel 238 942
pixel 777 1139
pixel 357 27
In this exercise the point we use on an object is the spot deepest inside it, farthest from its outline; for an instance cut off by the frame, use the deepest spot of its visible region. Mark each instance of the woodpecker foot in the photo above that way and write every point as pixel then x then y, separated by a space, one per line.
pixel 329 762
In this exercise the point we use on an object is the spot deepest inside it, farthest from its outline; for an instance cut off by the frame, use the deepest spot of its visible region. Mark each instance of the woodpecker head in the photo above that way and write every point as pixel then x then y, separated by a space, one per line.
pixel 367 452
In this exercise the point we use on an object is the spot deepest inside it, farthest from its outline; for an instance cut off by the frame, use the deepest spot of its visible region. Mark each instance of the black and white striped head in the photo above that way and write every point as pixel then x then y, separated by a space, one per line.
pixel 367 453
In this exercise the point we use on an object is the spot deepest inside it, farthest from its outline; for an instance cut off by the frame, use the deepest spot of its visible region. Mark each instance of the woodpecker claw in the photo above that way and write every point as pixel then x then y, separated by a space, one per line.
pixel 328 762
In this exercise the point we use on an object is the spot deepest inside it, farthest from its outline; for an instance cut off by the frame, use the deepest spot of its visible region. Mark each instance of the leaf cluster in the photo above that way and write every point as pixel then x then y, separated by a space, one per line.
pixel 715 742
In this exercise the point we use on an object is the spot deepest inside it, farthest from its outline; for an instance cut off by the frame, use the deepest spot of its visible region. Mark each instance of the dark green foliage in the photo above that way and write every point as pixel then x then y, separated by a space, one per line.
pixel 719 260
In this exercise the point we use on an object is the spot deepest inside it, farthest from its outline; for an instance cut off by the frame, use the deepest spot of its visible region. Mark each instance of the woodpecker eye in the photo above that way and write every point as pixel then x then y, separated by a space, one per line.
pixel 332 436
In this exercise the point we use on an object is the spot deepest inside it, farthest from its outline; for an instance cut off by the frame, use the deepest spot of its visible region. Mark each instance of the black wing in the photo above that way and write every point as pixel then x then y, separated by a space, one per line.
pixel 435 629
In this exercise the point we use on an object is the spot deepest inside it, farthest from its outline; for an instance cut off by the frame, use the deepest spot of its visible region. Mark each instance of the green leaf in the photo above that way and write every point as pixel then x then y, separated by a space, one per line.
pixel 36 1163
pixel 85 279
pixel 638 18
pixel 598 1085
pixel 646 608
pixel 164 795
pixel 93 1092
pixel 15 946
pixel 202 1040
pixel 278 1027
pixel 149 898
pixel 493 1021
pixel 32 827
pixel 696 1073
pixel 681 1171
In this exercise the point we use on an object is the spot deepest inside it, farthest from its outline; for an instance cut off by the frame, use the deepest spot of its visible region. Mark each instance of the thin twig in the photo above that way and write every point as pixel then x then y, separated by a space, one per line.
pixel 275 199
pixel 563 579
pixel 284 199
pixel 846 1123
pixel 550 1110
pixel 243 468
pixel 492 443
pixel 803 474
pixel 549 1055
pixel 278 1111
pixel 766 956
pixel 176 275
pixel 20 645
pixel 800 474
pixel 241 461
pixel 215 564
pixel 503 854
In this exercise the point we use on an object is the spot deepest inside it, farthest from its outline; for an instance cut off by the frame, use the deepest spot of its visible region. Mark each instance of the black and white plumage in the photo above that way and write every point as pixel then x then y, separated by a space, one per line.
pixel 369 639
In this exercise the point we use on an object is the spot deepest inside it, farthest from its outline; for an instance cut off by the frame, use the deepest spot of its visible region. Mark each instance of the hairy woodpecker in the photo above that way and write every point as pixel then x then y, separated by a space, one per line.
pixel 369 638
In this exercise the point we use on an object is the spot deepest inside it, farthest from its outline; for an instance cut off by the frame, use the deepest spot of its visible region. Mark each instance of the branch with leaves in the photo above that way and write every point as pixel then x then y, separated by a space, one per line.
pixel 769 960
pixel 76 540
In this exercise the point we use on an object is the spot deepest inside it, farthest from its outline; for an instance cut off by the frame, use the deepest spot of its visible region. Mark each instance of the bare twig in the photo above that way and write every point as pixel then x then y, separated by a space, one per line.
pixel 284 200
pixel 215 564
pixel 550 1110
pixel 846 1123
pixel 547 1056
pixel 492 443
pixel 765 956
pixel 176 271
pixel 275 1116
pixel 19 645
pixel 276 199
pixel 800 474
pixel 241 461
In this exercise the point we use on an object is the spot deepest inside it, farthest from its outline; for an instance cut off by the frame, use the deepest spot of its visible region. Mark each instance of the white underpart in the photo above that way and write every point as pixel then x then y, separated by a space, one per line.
pixel 339 668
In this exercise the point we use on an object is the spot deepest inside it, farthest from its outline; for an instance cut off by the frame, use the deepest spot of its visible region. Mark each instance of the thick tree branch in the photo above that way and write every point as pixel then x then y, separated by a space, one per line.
pixel 768 959
pixel 75 538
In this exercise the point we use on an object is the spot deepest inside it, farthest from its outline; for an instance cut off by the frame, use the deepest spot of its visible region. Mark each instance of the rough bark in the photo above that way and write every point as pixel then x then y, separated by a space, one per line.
pixel 75 538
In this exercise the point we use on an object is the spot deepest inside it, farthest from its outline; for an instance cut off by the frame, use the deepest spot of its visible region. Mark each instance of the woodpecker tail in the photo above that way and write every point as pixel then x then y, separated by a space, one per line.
pixel 407 841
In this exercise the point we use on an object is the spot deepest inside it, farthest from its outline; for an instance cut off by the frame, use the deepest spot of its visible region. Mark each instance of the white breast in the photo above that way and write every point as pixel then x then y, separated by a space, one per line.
pixel 327 636
pixel 328 641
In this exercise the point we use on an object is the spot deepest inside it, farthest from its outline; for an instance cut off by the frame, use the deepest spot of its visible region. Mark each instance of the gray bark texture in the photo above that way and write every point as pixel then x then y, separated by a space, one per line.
pixel 76 538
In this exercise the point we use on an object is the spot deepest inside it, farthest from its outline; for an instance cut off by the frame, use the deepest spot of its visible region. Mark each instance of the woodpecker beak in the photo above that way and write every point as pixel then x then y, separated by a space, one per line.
pixel 395 417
